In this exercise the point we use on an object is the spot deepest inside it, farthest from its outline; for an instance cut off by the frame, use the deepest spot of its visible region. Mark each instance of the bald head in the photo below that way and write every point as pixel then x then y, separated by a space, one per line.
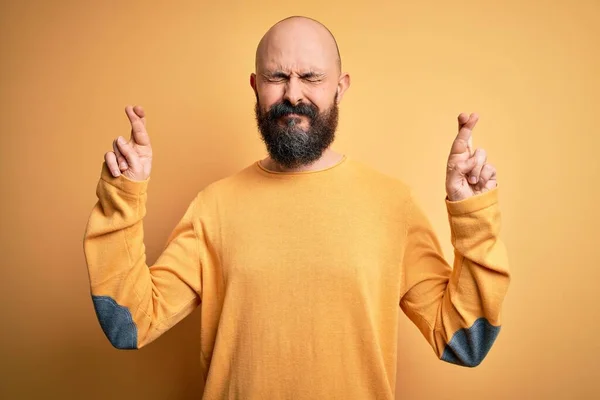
pixel 298 42
pixel 298 85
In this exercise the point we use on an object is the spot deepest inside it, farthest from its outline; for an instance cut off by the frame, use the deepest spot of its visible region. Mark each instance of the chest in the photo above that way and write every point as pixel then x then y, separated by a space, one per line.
pixel 302 248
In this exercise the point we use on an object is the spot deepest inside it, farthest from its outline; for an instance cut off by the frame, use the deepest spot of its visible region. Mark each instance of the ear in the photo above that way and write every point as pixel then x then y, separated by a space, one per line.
pixel 253 82
pixel 342 86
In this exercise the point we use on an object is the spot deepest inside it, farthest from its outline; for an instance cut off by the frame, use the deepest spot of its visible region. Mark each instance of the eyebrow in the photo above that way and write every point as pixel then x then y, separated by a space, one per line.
pixel 312 74
pixel 281 74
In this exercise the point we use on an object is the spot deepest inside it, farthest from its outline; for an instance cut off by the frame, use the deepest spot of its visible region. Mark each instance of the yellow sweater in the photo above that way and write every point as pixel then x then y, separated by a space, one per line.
pixel 300 278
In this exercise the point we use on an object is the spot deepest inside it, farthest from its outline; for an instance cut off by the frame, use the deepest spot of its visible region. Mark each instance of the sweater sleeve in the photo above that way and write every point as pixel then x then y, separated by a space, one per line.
pixel 458 310
pixel 134 302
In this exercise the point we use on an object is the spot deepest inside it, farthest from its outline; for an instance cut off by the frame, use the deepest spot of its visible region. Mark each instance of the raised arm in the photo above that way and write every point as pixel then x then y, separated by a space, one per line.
pixel 134 302
pixel 458 309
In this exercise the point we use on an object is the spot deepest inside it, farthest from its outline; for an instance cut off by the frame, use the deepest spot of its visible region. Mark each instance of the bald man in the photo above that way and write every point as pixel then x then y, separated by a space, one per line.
pixel 298 85
pixel 302 261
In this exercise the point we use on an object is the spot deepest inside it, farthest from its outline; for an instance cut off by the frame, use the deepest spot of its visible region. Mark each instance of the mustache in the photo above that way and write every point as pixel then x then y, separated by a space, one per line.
pixel 284 108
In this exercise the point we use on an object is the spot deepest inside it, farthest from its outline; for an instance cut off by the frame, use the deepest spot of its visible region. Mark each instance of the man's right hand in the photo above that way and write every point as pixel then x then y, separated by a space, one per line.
pixel 132 158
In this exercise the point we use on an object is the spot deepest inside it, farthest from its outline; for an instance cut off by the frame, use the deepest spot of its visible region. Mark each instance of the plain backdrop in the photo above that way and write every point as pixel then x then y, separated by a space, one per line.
pixel 531 69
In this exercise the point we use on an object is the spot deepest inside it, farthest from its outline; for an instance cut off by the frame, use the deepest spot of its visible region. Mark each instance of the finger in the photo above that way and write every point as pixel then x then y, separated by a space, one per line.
pixel 139 110
pixel 128 152
pixel 467 121
pixel 491 183
pixel 462 119
pixel 120 159
pixel 138 128
pixel 463 168
pixel 480 159
pixel 487 176
pixel 111 162
pixel 464 140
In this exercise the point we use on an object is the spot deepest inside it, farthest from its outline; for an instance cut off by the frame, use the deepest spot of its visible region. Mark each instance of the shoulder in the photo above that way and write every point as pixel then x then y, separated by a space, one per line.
pixel 377 180
pixel 226 186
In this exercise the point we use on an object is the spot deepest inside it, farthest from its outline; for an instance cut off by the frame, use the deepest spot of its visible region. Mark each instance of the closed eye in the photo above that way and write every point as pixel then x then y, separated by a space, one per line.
pixel 276 77
pixel 279 76
pixel 312 77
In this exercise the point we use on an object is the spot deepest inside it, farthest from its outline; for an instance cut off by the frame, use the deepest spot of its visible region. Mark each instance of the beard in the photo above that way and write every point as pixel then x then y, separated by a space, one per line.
pixel 287 143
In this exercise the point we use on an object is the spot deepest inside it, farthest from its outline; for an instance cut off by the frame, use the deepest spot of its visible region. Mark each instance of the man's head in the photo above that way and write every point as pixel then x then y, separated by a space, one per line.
pixel 298 85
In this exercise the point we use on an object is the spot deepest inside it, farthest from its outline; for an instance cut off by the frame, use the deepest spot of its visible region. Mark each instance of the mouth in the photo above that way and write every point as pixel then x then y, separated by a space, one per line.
pixel 292 115
pixel 292 119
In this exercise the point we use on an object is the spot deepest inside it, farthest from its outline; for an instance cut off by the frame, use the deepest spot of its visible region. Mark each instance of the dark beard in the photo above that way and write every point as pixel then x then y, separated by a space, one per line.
pixel 290 146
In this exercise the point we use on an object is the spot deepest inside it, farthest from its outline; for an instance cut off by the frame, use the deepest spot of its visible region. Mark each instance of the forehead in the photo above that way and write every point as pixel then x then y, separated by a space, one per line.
pixel 295 52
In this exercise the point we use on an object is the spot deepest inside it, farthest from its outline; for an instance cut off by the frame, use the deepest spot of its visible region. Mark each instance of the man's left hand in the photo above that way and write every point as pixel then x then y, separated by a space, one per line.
pixel 468 172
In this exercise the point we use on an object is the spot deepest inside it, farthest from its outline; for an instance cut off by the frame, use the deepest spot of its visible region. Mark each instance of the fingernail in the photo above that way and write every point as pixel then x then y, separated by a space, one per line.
pixel 116 173
pixel 123 165
pixel 473 179
pixel 121 140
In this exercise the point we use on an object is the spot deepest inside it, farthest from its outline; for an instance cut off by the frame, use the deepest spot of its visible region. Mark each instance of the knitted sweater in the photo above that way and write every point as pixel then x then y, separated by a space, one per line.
pixel 300 278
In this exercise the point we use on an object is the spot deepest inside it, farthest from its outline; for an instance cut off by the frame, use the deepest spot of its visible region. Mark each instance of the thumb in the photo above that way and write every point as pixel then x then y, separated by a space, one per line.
pixel 468 165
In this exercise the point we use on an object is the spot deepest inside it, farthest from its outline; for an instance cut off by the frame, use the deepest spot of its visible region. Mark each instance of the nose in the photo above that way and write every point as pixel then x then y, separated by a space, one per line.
pixel 293 91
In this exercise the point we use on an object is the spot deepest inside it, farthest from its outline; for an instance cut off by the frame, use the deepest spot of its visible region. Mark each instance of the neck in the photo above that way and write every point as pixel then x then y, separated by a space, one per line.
pixel 328 159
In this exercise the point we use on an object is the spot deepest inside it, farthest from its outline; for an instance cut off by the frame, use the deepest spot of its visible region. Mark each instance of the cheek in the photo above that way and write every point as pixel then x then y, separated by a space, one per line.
pixel 321 96
pixel 269 95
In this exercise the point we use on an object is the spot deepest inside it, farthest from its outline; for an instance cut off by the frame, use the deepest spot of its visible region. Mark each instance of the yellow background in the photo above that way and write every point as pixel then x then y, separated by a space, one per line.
pixel 531 69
